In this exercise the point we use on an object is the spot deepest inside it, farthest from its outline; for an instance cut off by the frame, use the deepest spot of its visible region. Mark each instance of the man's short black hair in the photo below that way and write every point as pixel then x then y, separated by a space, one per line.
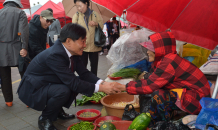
pixel 72 31
pixel 50 9
pixel 84 1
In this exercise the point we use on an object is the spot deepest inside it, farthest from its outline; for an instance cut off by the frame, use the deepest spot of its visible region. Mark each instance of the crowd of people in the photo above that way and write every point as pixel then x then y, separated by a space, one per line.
pixel 49 82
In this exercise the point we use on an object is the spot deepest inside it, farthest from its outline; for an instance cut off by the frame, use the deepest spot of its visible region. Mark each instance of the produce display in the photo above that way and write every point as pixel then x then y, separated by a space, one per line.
pixel 84 125
pixel 102 122
pixel 127 73
pixel 123 104
pixel 88 114
pixel 107 126
pixel 95 97
pixel 141 122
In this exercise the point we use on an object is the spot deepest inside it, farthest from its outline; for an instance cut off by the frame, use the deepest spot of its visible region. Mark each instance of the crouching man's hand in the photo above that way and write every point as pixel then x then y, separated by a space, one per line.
pixel 108 88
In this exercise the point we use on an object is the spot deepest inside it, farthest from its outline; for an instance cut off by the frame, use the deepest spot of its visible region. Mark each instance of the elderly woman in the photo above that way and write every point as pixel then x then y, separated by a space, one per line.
pixel 174 82
pixel 89 19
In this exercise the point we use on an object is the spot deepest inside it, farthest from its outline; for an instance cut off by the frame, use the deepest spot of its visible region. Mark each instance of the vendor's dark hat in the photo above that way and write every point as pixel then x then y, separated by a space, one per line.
pixel 47 14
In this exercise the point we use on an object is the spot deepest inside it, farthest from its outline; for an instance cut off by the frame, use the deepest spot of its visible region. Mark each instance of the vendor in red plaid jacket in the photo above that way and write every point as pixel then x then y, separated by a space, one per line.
pixel 174 82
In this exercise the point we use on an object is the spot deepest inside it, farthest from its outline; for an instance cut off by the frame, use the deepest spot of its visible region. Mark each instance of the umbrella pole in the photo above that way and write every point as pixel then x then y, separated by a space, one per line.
pixel 215 89
pixel 30 13
pixel 119 25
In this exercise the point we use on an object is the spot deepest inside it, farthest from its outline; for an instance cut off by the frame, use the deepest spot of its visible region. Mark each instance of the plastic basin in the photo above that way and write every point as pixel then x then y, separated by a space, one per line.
pixel 88 118
pixel 119 97
pixel 123 125
pixel 77 123
pixel 104 118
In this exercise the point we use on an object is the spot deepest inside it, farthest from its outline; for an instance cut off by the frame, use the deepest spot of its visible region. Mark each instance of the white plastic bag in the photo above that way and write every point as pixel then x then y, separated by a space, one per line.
pixel 211 66
pixel 127 50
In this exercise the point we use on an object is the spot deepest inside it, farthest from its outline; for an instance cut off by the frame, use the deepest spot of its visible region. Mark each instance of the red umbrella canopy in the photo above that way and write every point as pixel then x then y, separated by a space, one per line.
pixel 57 10
pixel 25 3
pixel 193 21
pixel 116 6
pixel 1 5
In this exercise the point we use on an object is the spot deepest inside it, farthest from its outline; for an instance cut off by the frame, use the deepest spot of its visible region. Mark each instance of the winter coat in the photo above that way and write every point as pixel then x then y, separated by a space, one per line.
pixel 12 21
pixel 170 71
pixel 54 29
pixel 37 37
pixel 80 19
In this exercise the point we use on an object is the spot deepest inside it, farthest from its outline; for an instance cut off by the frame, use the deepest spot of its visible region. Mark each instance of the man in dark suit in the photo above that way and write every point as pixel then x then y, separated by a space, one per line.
pixel 49 82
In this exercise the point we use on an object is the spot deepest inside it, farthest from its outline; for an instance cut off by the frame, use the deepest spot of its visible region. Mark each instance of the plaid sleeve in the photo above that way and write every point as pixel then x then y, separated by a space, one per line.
pixel 162 75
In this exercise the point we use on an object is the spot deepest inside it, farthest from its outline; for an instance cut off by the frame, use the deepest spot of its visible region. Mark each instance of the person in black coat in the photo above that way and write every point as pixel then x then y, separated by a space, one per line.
pixel 38 29
pixel 49 82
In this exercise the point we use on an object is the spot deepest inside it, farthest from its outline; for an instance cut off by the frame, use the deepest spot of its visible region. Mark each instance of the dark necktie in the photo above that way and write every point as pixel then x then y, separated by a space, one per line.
pixel 71 60
pixel 73 93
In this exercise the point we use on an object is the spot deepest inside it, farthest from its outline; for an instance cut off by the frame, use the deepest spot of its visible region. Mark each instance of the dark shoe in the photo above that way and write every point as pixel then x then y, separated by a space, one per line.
pixel 45 124
pixel 62 115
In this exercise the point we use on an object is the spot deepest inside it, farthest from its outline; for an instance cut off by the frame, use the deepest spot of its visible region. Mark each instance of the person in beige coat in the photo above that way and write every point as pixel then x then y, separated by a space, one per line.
pixel 89 19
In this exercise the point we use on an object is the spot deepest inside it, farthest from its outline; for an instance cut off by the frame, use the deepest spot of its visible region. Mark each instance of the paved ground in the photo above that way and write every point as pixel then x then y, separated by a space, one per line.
pixel 19 117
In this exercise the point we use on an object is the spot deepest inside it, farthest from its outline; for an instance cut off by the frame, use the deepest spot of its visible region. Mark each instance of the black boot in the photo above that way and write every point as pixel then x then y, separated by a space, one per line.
pixel 45 124
pixel 62 115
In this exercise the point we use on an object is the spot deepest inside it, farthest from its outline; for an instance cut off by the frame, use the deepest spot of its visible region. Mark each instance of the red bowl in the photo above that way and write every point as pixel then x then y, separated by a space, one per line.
pixel 88 118
pixel 94 102
pixel 77 123
pixel 114 78
pixel 122 125
pixel 104 118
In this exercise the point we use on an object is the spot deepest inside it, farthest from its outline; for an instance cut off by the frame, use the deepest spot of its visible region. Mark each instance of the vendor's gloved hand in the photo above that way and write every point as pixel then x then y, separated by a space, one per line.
pixel 141 76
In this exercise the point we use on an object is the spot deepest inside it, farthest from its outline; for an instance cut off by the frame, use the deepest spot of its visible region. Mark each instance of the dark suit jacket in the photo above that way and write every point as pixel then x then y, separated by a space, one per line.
pixel 52 67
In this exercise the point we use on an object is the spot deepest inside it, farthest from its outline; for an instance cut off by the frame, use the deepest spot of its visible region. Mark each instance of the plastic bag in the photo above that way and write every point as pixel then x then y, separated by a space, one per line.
pixel 145 103
pixel 127 50
pixel 210 125
pixel 208 113
pixel 200 54
pixel 211 66
pixel 170 125
pixel 131 114
pixel 143 65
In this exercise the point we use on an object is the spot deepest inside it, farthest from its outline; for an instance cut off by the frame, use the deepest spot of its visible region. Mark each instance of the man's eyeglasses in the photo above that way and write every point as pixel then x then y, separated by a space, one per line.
pixel 47 20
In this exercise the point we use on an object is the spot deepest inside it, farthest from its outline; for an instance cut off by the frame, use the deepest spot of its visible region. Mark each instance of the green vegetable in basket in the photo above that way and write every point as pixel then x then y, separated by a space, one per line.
pixel 127 73
pixel 84 125
pixel 95 97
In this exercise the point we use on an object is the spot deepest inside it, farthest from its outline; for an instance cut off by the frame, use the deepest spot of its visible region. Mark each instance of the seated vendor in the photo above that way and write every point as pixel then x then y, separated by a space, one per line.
pixel 174 82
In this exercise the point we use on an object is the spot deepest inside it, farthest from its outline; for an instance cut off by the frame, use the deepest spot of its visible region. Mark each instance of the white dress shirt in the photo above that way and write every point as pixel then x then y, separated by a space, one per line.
pixel 98 82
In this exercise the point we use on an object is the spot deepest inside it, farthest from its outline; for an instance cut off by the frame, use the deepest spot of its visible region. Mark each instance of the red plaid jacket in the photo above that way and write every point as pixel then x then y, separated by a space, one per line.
pixel 170 71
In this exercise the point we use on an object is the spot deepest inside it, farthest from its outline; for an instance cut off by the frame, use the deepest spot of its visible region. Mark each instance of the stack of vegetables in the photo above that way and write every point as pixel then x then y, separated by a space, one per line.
pixel 84 125
pixel 127 73
pixel 95 97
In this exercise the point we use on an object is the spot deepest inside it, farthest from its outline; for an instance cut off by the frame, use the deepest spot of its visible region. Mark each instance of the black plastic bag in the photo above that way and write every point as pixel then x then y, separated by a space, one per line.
pixel 170 125
pixel 23 63
pixel 145 103
pixel 211 125
pixel 131 114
